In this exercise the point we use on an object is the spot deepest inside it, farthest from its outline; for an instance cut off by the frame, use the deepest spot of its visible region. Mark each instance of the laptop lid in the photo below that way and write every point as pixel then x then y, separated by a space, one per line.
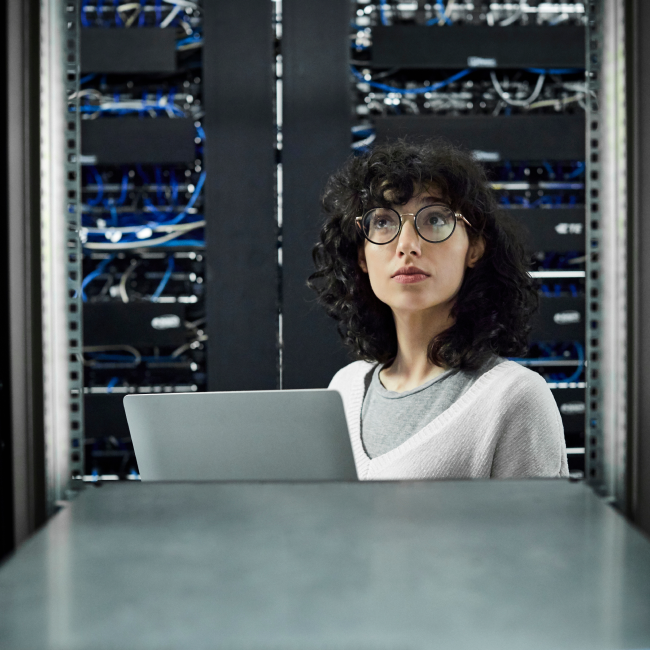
pixel 249 435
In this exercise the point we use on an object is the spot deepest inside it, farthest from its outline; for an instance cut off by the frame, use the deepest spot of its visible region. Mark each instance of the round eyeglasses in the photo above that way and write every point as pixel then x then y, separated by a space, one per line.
pixel 434 223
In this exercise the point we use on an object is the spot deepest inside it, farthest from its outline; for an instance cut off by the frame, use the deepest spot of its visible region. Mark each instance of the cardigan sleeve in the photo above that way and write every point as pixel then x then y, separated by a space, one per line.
pixel 531 439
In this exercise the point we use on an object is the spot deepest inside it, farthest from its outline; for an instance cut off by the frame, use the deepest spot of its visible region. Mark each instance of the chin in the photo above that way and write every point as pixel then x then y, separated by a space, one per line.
pixel 416 303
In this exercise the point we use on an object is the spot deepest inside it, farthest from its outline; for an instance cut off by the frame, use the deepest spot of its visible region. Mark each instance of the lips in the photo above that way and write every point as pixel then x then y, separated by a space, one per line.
pixel 410 270
pixel 410 275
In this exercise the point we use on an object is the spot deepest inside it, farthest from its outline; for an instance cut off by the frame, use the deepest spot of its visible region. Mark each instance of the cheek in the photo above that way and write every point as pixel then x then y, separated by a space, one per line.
pixel 377 264
pixel 451 259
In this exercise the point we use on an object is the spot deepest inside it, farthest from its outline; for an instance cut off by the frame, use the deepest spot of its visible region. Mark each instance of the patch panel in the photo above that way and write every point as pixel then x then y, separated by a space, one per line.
pixel 369 14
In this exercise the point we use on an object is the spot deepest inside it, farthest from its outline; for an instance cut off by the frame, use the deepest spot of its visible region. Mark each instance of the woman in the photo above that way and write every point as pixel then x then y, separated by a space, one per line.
pixel 428 283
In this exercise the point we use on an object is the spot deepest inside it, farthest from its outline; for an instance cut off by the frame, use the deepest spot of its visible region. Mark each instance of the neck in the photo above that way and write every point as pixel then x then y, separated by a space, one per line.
pixel 412 367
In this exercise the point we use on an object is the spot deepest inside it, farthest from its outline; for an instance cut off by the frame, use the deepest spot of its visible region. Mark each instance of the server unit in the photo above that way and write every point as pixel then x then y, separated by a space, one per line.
pixel 143 219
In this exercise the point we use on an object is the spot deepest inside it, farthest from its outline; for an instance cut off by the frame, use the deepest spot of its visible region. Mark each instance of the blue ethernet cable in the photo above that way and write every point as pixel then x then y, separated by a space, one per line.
pixel 194 243
pixel 84 18
pixel 578 171
pixel 100 12
pixel 546 348
pixel 555 70
pixel 442 18
pixel 382 13
pixel 549 169
pixel 142 174
pixel 100 187
pixel 111 384
pixel 581 358
pixel 192 201
pixel 118 18
pixel 165 279
pixel 412 91
pixel 91 276
pixel 123 190
pixel 190 204
pixel 194 38
pixel 111 206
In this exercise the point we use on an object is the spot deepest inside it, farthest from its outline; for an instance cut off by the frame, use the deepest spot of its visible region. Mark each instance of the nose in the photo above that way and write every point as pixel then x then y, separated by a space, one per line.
pixel 408 242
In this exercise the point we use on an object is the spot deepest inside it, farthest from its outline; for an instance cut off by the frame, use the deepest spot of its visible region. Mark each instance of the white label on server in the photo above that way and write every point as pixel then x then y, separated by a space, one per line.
pixel 486 156
pixel 566 317
pixel 166 322
pixel 572 408
pixel 481 62
pixel 569 228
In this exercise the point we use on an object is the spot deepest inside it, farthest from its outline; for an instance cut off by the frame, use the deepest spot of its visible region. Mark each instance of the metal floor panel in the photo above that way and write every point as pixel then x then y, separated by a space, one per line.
pixel 478 564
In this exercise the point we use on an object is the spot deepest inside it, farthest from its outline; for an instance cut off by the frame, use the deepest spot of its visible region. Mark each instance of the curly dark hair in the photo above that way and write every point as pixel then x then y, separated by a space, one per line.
pixel 497 296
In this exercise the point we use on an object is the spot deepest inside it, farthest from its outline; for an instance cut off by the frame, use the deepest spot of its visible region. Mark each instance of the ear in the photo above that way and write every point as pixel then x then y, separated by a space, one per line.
pixel 475 252
pixel 362 259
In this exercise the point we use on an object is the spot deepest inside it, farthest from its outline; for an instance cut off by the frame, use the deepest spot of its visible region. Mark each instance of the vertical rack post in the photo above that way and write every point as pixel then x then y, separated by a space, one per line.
pixel 73 224
pixel 593 283
pixel 60 244
pixel 614 226
pixel 606 264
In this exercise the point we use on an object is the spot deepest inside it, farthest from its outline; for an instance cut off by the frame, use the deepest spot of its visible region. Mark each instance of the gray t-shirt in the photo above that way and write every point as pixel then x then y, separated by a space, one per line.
pixel 388 418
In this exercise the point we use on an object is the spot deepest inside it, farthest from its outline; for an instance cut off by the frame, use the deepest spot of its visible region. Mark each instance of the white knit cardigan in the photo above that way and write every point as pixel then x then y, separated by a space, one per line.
pixel 507 425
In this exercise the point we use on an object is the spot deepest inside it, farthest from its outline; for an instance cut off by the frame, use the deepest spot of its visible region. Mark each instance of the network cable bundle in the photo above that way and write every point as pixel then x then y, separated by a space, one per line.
pixel 506 80
pixel 142 180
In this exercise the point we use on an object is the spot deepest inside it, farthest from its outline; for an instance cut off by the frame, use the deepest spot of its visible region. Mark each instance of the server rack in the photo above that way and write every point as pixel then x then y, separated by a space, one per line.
pixel 135 187
pixel 306 325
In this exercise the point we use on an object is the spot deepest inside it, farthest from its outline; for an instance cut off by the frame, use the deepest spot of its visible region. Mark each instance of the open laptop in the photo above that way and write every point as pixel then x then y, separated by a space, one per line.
pixel 253 436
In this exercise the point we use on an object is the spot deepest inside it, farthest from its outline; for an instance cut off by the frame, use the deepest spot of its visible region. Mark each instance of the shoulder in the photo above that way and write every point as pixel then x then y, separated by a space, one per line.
pixel 527 405
pixel 350 373
pixel 521 381
pixel 517 379
pixel 531 434
pixel 516 389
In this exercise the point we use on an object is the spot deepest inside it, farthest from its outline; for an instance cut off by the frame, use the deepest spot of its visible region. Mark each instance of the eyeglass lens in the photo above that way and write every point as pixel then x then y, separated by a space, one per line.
pixel 434 223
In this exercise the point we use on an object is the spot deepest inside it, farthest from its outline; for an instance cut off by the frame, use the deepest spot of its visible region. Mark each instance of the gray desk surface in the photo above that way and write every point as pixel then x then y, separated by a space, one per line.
pixel 481 565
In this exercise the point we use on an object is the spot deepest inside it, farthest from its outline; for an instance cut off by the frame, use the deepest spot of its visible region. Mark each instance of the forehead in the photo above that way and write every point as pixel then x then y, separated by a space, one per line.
pixel 422 194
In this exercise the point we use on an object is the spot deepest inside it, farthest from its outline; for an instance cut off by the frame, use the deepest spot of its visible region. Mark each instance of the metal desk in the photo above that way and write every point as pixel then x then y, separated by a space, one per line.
pixel 512 564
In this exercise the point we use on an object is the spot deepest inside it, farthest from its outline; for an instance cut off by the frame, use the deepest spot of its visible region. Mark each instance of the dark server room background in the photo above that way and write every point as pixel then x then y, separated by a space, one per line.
pixel 207 133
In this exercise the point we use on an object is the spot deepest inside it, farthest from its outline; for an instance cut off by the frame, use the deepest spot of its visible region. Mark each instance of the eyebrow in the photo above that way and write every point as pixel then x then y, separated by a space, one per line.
pixel 430 199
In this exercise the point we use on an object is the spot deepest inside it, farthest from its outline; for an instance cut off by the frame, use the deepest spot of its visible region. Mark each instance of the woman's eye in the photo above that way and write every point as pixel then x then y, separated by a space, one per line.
pixel 382 222
pixel 436 220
